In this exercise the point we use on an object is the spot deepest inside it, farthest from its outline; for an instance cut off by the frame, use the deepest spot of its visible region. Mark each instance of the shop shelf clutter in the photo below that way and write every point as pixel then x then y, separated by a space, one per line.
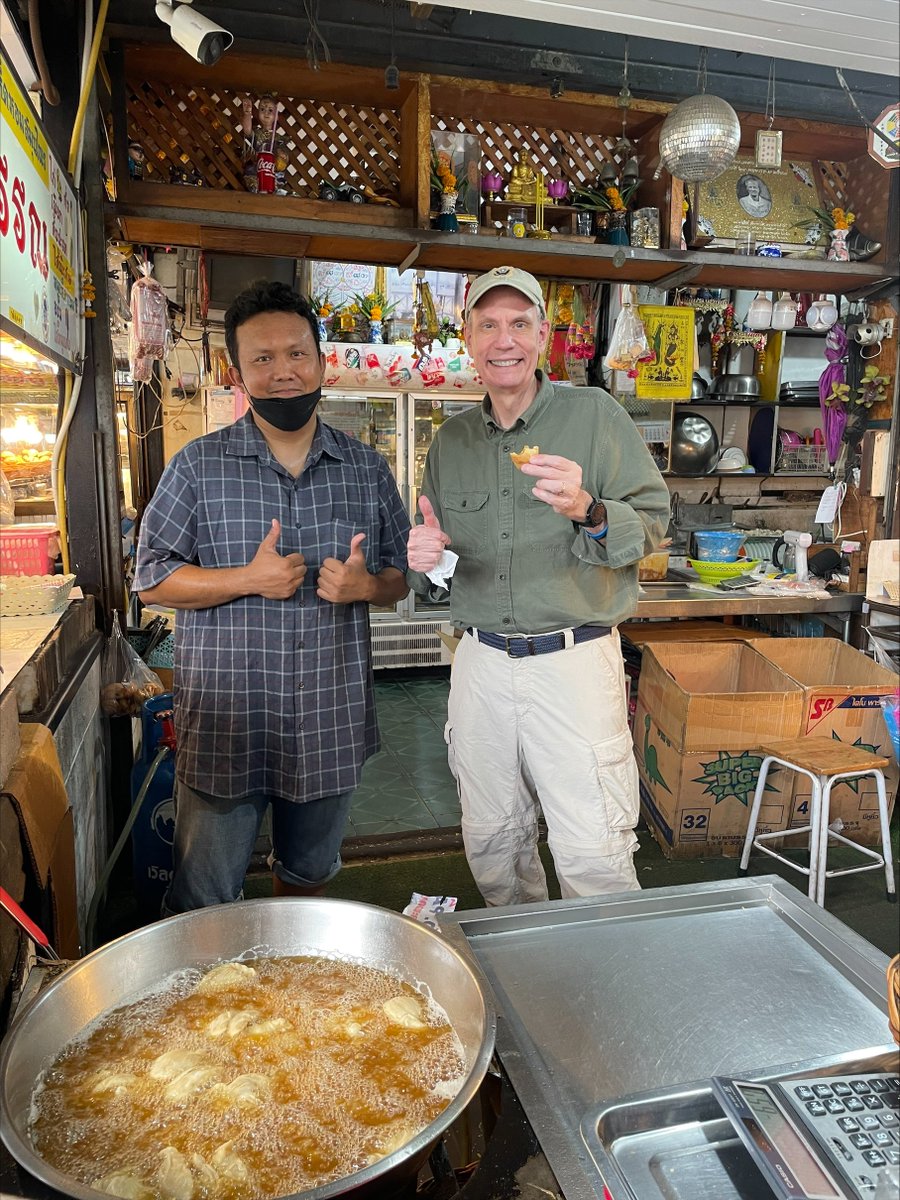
pixel 352 131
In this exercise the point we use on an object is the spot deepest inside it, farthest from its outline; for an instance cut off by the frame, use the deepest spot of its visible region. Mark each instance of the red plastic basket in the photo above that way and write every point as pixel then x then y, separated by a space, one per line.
pixel 28 549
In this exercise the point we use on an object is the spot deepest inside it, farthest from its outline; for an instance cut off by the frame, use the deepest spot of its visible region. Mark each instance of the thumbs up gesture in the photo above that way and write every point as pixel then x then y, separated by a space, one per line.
pixel 426 541
pixel 345 582
pixel 274 575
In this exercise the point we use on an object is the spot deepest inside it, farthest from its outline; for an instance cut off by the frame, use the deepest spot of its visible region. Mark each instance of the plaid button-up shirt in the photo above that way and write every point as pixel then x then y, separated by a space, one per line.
pixel 272 696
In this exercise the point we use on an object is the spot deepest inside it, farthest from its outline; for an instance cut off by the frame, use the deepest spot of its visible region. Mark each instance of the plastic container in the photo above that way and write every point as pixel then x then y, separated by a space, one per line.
pixel 715 572
pixel 653 567
pixel 718 545
pixel 28 549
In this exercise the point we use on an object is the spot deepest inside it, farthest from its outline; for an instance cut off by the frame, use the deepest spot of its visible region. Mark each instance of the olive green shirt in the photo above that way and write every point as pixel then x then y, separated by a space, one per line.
pixel 523 568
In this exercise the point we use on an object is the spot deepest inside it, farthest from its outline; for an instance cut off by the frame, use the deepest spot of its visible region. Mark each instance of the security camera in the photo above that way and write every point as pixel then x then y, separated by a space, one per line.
pixel 203 39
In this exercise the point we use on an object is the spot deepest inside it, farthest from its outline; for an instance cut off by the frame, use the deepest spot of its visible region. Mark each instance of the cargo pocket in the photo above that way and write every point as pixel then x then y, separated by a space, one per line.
pixel 618 780
pixel 468 524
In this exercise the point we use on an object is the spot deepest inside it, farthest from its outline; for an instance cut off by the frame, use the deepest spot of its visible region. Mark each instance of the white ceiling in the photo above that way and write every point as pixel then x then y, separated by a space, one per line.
pixel 860 34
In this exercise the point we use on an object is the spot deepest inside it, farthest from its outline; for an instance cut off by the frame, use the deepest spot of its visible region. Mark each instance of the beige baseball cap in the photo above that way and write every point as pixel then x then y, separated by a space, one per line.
pixel 512 277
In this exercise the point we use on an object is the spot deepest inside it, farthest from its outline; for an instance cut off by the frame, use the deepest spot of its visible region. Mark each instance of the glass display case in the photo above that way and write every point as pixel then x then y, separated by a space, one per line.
pixel 376 419
pixel 30 388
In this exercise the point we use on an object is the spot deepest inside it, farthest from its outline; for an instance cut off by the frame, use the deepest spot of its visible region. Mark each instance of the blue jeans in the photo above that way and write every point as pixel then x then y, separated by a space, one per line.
pixel 214 839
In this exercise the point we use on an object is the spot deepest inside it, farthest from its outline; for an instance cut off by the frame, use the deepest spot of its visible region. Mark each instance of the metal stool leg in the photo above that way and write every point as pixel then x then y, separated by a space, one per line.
pixel 754 813
pixel 818 840
pixel 885 837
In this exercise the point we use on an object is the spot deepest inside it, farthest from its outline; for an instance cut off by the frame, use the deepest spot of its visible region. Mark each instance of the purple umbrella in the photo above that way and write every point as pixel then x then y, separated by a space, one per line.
pixel 834 416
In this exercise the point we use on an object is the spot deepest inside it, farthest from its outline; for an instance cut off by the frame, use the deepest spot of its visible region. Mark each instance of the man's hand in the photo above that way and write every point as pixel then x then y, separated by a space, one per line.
pixel 426 542
pixel 272 575
pixel 344 582
pixel 559 485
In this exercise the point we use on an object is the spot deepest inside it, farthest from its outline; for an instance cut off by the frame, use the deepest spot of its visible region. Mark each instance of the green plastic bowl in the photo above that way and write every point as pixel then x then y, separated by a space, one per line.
pixel 714 572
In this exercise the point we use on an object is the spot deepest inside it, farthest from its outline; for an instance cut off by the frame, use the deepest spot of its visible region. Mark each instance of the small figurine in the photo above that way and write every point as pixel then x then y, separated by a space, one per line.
pixel 135 160
pixel 521 183
pixel 265 155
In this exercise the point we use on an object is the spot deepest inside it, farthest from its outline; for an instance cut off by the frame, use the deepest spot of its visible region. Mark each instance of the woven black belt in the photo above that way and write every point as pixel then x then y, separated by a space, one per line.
pixel 540 643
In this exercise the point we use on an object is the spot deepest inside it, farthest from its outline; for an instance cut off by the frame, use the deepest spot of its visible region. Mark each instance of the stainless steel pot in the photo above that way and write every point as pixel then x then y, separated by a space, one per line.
pixel 124 969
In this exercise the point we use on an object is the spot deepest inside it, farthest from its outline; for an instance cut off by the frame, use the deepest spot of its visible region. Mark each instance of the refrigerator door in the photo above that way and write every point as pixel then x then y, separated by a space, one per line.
pixel 377 419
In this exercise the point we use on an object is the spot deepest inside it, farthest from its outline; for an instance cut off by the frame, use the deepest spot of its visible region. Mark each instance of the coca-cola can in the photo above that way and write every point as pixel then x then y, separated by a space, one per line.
pixel 265 171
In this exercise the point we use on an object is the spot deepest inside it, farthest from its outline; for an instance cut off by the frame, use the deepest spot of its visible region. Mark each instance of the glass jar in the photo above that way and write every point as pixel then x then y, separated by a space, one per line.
pixel 759 314
pixel 784 312
pixel 516 225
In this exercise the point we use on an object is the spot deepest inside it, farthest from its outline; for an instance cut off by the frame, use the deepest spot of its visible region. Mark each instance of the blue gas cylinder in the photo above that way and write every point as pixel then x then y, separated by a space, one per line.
pixel 153 832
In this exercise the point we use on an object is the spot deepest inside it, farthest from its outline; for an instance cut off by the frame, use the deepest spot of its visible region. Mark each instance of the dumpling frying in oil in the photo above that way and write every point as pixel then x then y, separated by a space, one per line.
pixel 226 975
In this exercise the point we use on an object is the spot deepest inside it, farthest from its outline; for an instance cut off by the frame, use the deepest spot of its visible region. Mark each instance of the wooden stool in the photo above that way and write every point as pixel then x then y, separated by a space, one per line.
pixel 824 762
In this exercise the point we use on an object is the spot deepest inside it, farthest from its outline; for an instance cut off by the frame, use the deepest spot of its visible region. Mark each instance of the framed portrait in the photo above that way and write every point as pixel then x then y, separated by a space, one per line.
pixel 670 333
pixel 766 202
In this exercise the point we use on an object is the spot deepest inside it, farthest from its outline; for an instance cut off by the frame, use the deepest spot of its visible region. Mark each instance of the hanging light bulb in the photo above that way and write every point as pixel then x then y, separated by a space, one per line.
pixel 700 136
pixel 392 71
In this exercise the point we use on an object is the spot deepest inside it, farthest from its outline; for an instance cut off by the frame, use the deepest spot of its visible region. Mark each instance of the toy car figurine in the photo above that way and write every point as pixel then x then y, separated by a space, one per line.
pixel 341 191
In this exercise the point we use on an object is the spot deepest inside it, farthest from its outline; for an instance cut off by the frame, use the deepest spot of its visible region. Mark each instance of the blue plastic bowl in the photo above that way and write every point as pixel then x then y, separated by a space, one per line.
pixel 718 545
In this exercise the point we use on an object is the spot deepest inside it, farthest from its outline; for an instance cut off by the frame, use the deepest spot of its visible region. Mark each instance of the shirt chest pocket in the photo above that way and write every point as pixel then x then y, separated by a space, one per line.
pixel 341 533
pixel 544 527
pixel 466 518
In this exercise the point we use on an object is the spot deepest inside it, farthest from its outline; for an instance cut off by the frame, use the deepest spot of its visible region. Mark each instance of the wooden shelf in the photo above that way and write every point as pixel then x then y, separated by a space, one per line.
pixel 164 214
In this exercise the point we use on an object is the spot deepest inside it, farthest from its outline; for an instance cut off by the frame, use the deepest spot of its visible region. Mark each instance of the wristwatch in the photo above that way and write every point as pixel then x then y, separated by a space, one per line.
pixel 596 515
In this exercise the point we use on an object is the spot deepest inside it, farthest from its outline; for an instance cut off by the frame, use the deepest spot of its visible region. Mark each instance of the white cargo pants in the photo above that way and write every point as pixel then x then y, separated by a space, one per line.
pixel 550 729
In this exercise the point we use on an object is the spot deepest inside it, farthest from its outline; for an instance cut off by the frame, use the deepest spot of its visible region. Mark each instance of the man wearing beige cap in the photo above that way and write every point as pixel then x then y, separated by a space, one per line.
pixel 540 562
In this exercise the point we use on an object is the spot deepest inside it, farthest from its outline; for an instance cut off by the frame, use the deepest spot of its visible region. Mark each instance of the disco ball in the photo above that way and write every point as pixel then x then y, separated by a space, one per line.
pixel 699 138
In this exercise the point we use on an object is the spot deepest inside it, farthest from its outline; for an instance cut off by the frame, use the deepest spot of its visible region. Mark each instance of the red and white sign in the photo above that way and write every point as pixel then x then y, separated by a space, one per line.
pixel 39 241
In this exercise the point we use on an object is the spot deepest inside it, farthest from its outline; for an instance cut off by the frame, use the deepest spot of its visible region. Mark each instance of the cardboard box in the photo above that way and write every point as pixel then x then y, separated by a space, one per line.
pixel 640 633
pixel 699 720
pixel 841 688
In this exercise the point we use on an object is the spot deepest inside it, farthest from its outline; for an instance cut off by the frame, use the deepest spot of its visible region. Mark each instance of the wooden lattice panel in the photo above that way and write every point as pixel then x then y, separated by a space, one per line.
pixel 196 132
pixel 576 157
pixel 833 184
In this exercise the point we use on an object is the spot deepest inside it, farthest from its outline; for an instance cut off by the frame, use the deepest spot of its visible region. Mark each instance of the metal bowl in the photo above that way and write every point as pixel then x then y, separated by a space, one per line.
pixel 135 964
pixel 699 387
pixel 744 387
pixel 695 445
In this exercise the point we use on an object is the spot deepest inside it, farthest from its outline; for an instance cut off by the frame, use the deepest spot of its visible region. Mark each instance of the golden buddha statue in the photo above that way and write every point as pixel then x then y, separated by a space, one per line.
pixel 520 189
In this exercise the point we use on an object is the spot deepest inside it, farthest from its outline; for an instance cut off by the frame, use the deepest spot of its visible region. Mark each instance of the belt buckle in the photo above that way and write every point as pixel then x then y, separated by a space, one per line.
pixel 529 642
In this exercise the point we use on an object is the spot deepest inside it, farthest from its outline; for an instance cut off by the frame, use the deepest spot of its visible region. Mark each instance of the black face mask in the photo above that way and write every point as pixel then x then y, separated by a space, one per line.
pixel 289 414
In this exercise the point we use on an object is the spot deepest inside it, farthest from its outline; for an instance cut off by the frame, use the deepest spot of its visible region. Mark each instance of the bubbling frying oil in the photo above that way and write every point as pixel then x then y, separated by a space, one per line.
pixel 261 1079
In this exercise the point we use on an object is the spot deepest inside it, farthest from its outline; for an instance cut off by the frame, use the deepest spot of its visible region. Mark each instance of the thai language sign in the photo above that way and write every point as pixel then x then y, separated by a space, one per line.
pixel 39 247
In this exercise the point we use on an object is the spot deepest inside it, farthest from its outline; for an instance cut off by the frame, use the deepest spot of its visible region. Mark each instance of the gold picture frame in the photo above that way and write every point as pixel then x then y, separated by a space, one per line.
pixel 766 202
pixel 670 334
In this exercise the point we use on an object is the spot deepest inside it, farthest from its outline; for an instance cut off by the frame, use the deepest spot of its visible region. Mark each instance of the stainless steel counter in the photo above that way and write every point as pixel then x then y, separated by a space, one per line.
pixel 651 993
pixel 677 600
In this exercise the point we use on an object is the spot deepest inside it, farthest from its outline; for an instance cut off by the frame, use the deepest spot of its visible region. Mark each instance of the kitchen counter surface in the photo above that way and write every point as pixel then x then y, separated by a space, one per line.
pixel 680 600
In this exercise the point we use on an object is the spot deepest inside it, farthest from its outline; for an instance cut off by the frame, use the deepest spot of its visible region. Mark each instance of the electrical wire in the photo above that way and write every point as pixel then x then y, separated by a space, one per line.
pixel 895 146
pixel 48 90
pixel 316 45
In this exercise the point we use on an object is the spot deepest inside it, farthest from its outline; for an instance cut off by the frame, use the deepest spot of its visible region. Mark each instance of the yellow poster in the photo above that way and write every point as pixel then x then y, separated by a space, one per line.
pixel 670 334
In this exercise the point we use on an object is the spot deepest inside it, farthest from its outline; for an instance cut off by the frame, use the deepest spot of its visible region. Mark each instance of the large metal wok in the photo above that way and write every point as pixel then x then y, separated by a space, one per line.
pixel 136 963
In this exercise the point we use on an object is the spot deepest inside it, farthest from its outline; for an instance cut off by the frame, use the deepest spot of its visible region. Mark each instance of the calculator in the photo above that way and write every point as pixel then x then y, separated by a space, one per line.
pixel 820 1137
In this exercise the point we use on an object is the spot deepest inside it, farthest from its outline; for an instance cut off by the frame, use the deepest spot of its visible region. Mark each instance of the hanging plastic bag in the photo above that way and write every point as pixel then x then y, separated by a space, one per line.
pixel 890 706
pixel 149 325
pixel 126 680
pixel 628 345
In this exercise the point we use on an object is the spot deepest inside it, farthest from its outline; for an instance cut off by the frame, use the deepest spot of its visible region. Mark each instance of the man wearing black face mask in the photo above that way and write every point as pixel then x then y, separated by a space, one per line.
pixel 272 537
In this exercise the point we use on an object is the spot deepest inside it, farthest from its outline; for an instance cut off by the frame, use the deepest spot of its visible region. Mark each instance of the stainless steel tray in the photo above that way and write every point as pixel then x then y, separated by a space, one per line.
pixel 678 1145
pixel 654 992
